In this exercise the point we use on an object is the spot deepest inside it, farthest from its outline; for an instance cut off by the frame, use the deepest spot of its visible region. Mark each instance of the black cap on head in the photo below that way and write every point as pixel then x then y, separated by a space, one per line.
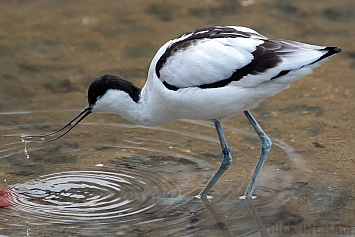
pixel 106 82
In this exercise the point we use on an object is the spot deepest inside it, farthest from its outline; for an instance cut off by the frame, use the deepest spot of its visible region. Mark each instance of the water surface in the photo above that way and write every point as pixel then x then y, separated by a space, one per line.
pixel 109 177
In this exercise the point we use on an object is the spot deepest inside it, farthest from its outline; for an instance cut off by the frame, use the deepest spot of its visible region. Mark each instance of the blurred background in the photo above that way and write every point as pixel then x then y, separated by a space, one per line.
pixel 50 51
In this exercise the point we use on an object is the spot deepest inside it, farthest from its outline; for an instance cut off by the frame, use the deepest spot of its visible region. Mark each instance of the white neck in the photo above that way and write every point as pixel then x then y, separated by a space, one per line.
pixel 149 110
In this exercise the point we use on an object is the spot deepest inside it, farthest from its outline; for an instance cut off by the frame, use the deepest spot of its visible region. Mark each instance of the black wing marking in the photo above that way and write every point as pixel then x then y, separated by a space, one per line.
pixel 202 33
pixel 267 55
pixel 264 57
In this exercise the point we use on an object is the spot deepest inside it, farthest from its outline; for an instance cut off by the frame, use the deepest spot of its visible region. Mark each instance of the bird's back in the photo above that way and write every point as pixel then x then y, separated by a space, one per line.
pixel 217 56
pixel 229 69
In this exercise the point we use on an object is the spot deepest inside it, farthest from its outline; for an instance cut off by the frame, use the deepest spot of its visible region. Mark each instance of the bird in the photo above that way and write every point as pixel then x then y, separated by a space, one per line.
pixel 211 73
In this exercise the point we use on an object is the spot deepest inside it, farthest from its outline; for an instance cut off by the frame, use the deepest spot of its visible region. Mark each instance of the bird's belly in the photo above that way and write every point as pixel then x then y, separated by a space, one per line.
pixel 219 103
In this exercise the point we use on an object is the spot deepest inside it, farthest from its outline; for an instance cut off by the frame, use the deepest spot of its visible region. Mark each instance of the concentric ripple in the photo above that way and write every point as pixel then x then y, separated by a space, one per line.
pixel 83 195
pixel 117 178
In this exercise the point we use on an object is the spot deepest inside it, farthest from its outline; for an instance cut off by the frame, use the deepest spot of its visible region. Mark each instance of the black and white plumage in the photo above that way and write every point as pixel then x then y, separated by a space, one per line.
pixel 212 74
pixel 224 70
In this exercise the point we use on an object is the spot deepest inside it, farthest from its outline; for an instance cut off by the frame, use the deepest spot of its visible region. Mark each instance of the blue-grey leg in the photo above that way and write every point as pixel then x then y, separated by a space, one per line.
pixel 265 149
pixel 226 161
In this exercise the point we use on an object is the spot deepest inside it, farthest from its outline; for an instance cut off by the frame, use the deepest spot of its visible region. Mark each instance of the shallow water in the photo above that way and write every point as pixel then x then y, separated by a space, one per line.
pixel 144 179
pixel 111 178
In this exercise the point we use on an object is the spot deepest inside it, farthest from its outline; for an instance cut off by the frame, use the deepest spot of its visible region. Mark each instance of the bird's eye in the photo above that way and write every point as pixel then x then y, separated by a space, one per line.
pixel 94 95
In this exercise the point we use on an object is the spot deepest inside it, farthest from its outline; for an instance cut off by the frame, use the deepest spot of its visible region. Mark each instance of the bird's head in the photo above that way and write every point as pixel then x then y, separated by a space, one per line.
pixel 103 95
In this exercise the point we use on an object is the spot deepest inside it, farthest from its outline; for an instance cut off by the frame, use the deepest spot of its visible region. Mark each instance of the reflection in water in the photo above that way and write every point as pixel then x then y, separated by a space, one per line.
pixel 144 181
pixel 7 197
pixel 257 218
pixel 80 196
pixel 51 50
pixel 216 218
pixel 224 229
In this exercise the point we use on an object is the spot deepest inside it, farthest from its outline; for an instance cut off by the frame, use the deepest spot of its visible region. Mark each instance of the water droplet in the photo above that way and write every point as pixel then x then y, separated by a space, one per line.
pixel 25 150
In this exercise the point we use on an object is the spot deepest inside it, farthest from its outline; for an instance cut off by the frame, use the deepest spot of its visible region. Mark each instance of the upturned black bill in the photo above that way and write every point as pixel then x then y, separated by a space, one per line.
pixel 28 138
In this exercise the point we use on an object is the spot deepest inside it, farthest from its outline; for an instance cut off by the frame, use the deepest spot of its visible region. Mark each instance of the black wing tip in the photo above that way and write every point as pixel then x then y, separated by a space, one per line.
pixel 330 51
pixel 333 50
